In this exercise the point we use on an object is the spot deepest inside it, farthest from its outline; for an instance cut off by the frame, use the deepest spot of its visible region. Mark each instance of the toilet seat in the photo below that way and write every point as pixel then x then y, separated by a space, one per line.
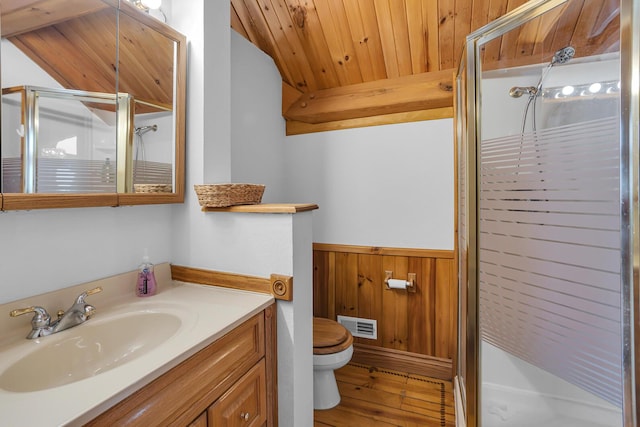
pixel 330 337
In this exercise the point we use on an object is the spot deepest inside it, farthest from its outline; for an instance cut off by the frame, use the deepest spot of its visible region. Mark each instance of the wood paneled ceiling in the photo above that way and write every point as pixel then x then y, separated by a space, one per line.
pixel 325 49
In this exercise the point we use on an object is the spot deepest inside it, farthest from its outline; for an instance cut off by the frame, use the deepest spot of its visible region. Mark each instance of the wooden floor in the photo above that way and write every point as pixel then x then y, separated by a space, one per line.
pixel 380 397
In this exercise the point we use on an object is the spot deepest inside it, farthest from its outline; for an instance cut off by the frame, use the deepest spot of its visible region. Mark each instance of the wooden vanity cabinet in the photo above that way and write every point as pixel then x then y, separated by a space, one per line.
pixel 231 382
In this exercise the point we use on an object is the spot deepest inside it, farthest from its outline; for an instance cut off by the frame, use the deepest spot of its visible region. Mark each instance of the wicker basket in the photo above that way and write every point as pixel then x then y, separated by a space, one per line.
pixel 152 188
pixel 223 195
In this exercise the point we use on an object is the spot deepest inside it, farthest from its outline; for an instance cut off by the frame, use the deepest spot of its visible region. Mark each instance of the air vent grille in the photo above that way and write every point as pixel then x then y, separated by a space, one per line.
pixel 362 328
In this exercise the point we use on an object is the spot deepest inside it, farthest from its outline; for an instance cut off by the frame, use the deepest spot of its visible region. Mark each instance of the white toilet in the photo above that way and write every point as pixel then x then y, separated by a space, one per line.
pixel 332 349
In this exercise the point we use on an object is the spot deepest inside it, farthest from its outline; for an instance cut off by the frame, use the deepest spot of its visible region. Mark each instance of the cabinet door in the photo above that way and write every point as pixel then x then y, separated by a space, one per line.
pixel 201 421
pixel 244 404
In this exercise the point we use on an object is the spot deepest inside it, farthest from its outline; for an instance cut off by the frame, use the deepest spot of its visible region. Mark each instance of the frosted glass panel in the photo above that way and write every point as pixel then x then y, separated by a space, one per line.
pixel 549 237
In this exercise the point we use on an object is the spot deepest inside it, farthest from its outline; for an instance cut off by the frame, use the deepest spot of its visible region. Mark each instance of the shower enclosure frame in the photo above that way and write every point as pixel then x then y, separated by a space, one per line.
pixel 468 137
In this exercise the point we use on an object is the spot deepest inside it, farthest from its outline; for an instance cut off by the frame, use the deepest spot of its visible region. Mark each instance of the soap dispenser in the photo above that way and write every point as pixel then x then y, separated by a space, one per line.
pixel 146 285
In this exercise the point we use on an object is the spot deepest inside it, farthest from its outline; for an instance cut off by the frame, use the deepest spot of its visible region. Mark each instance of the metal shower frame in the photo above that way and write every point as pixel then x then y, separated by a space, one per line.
pixel 629 183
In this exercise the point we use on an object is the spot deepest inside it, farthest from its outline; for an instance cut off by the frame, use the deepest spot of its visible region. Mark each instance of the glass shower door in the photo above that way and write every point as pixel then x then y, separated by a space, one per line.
pixel 545 242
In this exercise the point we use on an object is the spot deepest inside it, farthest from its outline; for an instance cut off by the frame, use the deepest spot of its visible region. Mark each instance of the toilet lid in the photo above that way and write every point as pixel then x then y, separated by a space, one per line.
pixel 328 333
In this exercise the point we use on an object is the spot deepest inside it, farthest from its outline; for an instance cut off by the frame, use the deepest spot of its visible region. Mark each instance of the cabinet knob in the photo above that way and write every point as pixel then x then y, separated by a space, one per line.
pixel 244 416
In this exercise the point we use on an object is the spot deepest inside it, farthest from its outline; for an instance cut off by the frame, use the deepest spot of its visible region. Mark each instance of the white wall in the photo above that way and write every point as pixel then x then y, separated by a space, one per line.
pixel 379 186
pixel 257 126
pixel 45 250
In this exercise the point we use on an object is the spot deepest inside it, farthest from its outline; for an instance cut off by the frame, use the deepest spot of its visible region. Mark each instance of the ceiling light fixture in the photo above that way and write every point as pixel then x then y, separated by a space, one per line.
pixel 146 4
pixel 595 87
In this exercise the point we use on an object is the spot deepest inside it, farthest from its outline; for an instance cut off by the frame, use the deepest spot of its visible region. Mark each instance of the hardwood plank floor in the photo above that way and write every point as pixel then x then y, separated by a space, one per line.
pixel 381 397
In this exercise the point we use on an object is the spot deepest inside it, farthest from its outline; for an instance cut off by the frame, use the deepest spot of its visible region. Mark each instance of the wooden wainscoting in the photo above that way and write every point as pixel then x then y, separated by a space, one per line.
pixel 417 332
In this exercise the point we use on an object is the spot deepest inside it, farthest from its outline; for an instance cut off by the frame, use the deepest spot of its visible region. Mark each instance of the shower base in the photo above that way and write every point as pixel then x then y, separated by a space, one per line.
pixel 506 406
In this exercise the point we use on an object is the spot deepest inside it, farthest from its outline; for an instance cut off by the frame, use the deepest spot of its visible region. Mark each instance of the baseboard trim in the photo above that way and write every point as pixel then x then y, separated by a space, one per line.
pixel 403 361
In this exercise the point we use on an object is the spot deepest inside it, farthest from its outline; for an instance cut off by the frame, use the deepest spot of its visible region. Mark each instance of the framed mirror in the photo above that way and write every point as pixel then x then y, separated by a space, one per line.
pixel 93 105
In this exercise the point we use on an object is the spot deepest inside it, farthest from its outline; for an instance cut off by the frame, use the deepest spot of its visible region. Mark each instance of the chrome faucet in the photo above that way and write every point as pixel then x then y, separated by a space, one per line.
pixel 41 325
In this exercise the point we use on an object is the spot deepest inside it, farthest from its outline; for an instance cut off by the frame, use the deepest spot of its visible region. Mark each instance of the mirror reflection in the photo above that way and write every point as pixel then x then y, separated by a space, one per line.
pixel 88 98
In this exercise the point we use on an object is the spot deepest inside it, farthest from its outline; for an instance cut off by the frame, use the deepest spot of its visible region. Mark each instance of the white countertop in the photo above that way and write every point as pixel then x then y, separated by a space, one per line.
pixel 207 313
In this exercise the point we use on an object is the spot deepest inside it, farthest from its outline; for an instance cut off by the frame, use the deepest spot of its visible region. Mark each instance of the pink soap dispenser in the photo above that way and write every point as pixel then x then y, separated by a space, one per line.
pixel 146 285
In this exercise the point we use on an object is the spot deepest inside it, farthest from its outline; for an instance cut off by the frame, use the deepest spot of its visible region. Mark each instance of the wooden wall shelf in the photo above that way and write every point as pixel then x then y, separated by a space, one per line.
pixel 268 208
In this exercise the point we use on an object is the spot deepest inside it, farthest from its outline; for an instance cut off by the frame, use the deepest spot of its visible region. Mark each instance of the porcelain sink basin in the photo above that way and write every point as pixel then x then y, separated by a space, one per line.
pixel 90 349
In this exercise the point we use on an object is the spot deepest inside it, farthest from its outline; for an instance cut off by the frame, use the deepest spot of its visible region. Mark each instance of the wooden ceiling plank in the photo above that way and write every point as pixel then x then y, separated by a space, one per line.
pixel 245 20
pixel 69 58
pixel 608 40
pixel 336 7
pixel 479 14
pixel 27 45
pixel 604 34
pixel 509 46
pixel 362 42
pixel 462 26
pixel 491 50
pixel 236 23
pixel 401 36
pixel 372 31
pixel 547 30
pixel 610 11
pixel 19 16
pixel 528 36
pixel 417 36
pixel 250 14
pixel 281 25
pixel 446 33
pixel 383 16
pixel 402 94
pixel 336 32
pixel 581 39
pixel 430 16
pixel 146 62
pixel 309 31
pixel 566 26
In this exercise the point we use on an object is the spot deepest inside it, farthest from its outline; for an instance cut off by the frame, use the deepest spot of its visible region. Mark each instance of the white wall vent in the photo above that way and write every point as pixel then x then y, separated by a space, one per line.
pixel 362 328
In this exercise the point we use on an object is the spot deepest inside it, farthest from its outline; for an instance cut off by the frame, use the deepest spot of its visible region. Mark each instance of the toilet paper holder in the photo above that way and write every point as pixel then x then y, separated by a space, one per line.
pixel 411 281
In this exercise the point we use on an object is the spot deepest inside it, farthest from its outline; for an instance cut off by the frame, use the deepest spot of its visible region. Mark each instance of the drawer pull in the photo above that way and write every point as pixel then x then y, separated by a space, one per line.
pixel 244 416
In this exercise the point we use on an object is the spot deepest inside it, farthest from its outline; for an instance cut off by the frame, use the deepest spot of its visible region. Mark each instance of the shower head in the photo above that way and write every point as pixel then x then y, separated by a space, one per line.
pixel 518 91
pixel 563 55
pixel 144 129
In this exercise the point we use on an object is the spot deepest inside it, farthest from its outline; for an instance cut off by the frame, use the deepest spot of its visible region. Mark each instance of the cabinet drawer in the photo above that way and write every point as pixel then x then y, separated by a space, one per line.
pixel 180 395
pixel 244 404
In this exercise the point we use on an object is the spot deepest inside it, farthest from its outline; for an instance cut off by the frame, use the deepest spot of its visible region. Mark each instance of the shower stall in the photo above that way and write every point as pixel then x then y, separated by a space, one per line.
pixel 547 136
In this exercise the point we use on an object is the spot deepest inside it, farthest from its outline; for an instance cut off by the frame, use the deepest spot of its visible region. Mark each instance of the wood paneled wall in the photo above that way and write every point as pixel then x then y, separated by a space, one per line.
pixel 349 280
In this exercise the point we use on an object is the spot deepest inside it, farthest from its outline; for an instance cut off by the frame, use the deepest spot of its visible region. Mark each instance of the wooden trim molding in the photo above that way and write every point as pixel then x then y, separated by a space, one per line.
pixel 281 287
pixel 376 250
pixel 21 201
pixel 271 360
pixel 269 208
pixel 402 361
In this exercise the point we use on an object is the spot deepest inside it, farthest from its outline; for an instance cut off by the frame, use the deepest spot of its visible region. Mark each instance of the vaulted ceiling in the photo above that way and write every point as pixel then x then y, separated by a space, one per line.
pixel 339 58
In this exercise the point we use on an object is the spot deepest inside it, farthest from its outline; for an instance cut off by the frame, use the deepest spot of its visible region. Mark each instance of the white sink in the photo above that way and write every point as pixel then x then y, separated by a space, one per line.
pixel 79 373
pixel 88 350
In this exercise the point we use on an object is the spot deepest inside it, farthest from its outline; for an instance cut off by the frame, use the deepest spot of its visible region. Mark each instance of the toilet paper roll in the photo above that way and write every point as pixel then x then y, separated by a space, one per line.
pixel 397 284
